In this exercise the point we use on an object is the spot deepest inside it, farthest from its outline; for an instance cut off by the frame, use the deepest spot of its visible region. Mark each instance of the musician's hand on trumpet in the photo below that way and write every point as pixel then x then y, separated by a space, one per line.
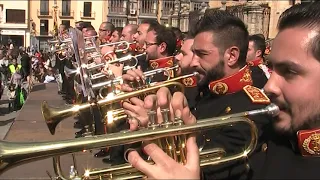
pixel 165 167
pixel 137 113
pixel 133 75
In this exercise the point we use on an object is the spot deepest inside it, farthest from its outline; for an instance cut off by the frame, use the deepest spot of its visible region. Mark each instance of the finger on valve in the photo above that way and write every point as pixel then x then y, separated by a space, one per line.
pixel 164 110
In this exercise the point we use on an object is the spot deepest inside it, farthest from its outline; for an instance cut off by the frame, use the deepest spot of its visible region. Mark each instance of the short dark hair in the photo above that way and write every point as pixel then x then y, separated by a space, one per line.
pixel 109 26
pixel 228 31
pixel 306 15
pixel 119 29
pixel 166 35
pixel 177 32
pixel 258 43
pixel 151 22
pixel 89 27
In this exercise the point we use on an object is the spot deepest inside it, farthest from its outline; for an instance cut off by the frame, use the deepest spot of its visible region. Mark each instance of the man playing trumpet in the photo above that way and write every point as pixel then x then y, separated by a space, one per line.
pixel 220 48
pixel 292 144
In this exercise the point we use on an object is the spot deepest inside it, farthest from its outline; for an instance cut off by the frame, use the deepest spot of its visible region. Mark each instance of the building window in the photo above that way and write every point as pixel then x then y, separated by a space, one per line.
pixel 118 22
pixel 66 23
pixel 87 7
pixel 66 7
pixel 15 16
pixel 148 7
pixel 196 6
pixel 167 5
pixel 164 21
pixel 44 28
pixel 118 6
pixel 44 7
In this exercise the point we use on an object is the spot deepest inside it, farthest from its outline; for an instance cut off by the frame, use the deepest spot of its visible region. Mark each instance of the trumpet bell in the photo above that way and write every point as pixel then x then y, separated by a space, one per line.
pixel 53 116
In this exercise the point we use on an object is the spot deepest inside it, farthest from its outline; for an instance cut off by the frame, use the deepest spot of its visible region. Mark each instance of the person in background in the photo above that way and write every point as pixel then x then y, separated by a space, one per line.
pixel 105 31
pixel 128 32
pixel 116 35
pixel 260 71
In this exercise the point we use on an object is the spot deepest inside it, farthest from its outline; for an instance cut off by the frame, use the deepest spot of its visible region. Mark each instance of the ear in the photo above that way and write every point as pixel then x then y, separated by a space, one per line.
pixel 162 47
pixel 232 54
pixel 258 53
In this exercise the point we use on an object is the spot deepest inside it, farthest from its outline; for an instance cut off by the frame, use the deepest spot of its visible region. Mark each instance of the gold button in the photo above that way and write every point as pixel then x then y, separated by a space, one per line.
pixel 264 147
pixel 227 110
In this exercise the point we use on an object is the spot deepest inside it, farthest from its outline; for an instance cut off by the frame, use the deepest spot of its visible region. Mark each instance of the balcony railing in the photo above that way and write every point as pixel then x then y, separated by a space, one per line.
pixel 167 5
pixel 148 7
pixel 118 7
pixel 195 6
pixel 117 10
pixel 68 14
pixel 91 15
pixel 44 13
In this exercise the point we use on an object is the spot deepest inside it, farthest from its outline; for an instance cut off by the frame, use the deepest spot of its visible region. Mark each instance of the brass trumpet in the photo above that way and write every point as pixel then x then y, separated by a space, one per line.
pixel 147 74
pixel 119 46
pixel 13 154
pixel 93 66
pixel 53 116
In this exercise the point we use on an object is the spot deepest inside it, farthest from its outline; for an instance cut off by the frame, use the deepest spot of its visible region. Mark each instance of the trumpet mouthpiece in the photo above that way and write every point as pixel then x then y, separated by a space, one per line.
pixel 272 110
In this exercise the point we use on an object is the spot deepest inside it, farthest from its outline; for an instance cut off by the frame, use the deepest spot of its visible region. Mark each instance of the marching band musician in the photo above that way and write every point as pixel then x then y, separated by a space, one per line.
pixel 128 33
pixel 184 59
pixel 105 31
pixel 140 37
pixel 116 35
pixel 159 45
pixel 291 145
pixel 220 49
pixel 260 71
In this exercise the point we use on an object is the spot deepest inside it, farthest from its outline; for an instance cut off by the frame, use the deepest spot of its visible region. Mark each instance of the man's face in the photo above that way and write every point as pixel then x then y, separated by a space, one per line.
pixel 294 84
pixel 126 34
pixel 14 62
pixel 185 56
pixel 252 53
pixel 103 32
pixel 151 46
pixel 141 34
pixel 77 25
pixel 115 37
pixel 206 58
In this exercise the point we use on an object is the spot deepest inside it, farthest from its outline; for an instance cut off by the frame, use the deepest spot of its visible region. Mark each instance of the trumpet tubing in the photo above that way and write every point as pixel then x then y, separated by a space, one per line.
pixel 13 153
pixel 93 66
pixel 53 116
pixel 147 74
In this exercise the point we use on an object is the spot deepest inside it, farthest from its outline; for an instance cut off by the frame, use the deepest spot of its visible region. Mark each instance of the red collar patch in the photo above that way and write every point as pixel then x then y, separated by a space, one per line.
pixel 190 81
pixel 161 62
pixel 233 83
pixel 309 142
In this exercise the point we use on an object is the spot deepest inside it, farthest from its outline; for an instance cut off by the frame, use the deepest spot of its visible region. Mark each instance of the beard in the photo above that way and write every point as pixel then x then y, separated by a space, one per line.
pixel 311 121
pixel 213 74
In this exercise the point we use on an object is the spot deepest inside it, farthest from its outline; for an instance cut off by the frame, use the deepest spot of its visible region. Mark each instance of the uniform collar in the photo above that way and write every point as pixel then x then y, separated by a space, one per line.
pixel 256 62
pixel 190 81
pixel 233 83
pixel 309 142
pixel 162 62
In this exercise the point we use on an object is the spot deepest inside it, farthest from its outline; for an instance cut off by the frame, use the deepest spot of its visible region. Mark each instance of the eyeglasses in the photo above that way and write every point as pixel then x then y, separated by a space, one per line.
pixel 150 44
